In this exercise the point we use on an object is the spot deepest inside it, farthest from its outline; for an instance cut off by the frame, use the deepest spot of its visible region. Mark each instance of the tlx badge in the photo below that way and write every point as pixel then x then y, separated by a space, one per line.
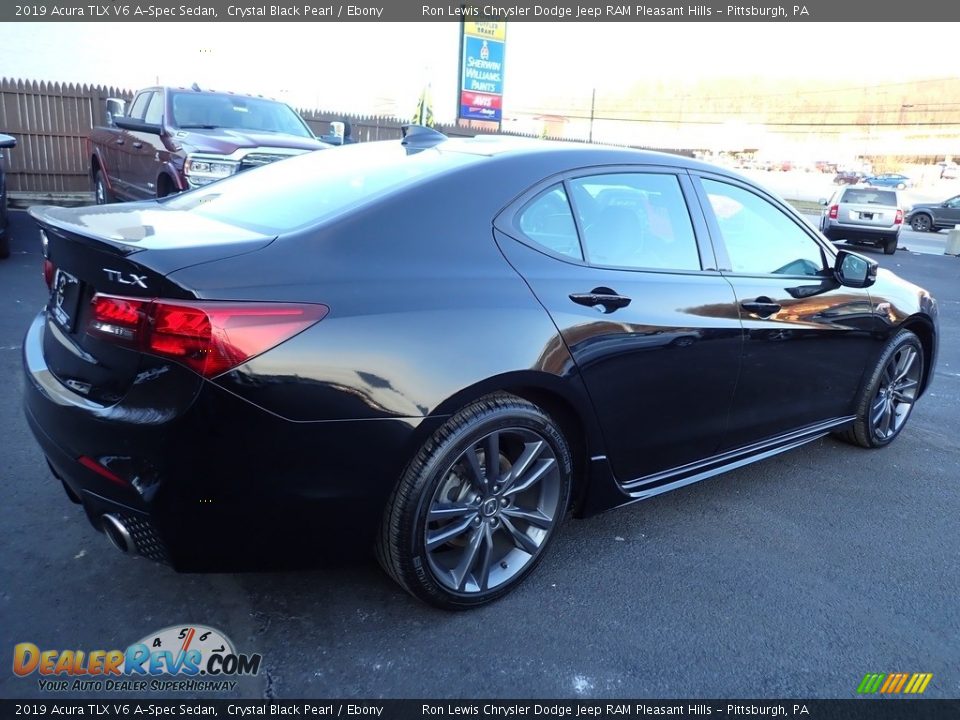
pixel 126 278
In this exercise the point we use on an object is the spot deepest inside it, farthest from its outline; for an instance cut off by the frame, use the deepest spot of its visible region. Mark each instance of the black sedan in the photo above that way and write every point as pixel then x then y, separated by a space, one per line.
pixel 931 217
pixel 6 142
pixel 440 348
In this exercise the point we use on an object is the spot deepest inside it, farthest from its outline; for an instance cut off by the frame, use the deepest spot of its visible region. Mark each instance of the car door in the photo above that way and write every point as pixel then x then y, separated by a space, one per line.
pixel 948 214
pixel 807 339
pixel 143 150
pixel 120 162
pixel 627 276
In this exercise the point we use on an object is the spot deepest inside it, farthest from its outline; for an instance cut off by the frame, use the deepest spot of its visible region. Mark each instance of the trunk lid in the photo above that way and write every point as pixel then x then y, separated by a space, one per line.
pixel 126 250
pixel 869 207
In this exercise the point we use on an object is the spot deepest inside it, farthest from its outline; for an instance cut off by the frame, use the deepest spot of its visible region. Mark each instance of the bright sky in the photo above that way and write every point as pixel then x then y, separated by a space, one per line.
pixel 380 67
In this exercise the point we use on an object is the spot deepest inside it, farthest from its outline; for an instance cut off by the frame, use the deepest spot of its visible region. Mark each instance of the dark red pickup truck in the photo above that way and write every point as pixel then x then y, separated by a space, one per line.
pixel 174 139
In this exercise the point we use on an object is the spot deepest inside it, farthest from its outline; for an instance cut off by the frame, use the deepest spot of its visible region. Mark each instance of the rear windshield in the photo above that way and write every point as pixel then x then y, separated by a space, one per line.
pixel 870 197
pixel 305 190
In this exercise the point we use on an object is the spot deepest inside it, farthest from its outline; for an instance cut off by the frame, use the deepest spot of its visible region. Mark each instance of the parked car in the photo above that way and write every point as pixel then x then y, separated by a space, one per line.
pixel 437 347
pixel 863 215
pixel 894 180
pixel 175 139
pixel 848 177
pixel 6 142
pixel 932 217
pixel 948 170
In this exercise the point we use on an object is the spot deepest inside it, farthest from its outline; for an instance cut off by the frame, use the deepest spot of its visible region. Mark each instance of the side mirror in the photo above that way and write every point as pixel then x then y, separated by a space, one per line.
pixel 854 270
pixel 138 126
pixel 822 201
pixel 7 141
pixel 116 108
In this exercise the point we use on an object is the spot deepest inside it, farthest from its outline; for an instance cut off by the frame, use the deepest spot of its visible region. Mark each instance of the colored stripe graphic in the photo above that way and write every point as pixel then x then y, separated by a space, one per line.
pixel 893 683
pixel 918 683
pixel 871 683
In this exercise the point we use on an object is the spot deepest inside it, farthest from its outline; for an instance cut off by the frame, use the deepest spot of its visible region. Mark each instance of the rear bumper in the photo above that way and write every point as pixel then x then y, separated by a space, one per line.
pixel 842 231
pixel 219 483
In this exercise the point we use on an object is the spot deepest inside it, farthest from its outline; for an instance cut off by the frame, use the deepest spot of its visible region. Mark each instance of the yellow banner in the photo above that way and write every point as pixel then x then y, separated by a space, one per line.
pixel 489 30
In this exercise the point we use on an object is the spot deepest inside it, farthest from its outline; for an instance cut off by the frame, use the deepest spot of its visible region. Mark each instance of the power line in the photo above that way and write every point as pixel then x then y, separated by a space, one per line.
pixel 817 91
pixel 775 124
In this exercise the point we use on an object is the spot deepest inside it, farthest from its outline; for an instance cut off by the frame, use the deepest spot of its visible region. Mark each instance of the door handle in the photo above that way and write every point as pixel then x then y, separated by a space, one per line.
pixel 138 144
pixel 762 306
pixel 603 298
pixel 119 141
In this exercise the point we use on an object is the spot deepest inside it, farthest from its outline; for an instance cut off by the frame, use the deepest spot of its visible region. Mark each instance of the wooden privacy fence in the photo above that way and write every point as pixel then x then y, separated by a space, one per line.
pixel 52 120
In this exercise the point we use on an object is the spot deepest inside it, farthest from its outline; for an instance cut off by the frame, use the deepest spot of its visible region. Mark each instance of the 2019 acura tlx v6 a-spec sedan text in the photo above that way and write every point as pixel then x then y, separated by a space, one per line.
pixel 440 348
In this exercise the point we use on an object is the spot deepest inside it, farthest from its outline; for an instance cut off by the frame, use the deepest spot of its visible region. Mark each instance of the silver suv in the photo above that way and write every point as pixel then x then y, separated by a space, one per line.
pixel 863 215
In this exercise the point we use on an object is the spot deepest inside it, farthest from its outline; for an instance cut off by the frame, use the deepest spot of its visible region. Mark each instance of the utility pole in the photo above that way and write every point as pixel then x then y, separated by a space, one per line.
pixel 593 105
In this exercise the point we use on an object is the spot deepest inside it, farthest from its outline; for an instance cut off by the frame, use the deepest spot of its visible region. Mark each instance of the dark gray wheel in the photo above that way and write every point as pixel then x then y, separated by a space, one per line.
pixel 101 192
pixel 921 222
pixel 476 509
pixel 890 246
pixel 165 187
pixel 887 398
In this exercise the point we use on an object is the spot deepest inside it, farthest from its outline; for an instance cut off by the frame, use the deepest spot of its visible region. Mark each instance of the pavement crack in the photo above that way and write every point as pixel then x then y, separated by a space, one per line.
pixel 270 692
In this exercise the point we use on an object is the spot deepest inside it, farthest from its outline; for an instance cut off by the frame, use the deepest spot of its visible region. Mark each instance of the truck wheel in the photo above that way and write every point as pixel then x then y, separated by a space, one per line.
pixel 101 192
pixel 890 246
pixel 165 187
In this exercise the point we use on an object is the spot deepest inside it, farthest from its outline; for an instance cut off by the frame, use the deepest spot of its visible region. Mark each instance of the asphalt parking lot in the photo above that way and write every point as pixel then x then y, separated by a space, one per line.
pixel 790 578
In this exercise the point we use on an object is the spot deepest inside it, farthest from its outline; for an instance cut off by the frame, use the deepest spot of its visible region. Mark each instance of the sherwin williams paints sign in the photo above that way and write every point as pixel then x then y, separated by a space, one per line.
pixel 481 70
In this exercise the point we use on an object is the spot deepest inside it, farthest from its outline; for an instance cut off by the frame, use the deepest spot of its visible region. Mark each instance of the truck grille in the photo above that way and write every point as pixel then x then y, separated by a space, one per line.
pixel 253 160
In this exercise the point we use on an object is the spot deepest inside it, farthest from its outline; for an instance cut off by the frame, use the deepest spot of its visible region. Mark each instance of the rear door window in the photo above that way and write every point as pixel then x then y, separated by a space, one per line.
pixel 635 220
pixel 154 113
pixel 548 221
pixel 139 107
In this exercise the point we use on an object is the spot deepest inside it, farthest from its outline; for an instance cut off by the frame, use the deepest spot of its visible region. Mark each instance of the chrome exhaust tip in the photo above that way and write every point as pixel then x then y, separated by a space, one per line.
pixel 117 533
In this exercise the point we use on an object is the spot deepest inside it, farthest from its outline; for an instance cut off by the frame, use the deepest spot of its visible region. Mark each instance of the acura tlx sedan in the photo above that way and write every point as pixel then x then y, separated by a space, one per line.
pixel 440 348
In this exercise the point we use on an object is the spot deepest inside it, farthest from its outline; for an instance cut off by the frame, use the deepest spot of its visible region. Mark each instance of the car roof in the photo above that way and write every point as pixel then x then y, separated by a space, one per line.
pixel 570 153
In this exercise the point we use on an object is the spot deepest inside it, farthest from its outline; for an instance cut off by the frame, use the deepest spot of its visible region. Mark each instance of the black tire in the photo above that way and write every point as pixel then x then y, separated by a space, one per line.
pixel 483 546
pixel 101 193
pixel 890 246
pixel 877 403
pixel 922 222
pixel 4 246
pixel 165 187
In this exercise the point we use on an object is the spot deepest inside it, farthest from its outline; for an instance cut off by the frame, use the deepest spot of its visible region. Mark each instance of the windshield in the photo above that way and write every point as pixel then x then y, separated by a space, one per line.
pixel 215 110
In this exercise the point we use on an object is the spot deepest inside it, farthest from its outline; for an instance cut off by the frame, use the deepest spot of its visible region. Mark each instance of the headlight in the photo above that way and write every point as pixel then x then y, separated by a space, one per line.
pixel 203 170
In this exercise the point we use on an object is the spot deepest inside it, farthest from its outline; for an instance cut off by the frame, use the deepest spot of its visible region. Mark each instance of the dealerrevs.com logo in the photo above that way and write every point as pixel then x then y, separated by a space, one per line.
pixel 188 658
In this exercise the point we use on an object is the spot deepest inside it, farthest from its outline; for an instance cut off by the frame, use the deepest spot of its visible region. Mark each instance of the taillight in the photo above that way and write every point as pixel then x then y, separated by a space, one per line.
pixel 48 272
pixel 898 220
pixel 101 470
pixel 120 318
pixel 834 212
pixel 209 337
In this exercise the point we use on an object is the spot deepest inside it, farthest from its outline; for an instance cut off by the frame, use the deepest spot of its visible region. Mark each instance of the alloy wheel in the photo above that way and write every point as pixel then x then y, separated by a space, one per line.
pixel 493 511
pixel 921 223
pixel 896 394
